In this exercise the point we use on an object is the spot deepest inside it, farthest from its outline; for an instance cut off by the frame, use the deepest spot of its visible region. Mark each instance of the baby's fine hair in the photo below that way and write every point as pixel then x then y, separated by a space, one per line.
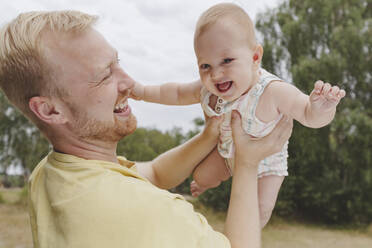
pixel 228 11
pixel 24 70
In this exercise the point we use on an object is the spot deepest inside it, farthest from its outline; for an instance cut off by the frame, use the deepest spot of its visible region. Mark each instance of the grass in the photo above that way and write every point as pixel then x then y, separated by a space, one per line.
pixel 1 199
pixel 281 233
pixel 15 228
pixel 11 195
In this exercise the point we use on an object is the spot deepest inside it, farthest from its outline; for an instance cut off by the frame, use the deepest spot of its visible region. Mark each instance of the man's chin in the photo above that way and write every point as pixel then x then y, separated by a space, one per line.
pixel 129 127
pixel 110 132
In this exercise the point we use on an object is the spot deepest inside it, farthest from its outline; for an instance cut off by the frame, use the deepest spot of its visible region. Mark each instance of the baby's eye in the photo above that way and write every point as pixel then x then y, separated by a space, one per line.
pixel 227 60
pixel 204 66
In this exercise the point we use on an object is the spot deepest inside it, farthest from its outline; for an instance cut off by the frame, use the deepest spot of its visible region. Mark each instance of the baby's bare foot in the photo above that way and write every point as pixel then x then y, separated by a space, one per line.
pixel 196 189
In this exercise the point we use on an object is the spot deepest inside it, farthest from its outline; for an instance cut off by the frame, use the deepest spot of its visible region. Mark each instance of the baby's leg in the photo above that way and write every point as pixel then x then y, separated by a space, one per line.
pixel 268 189
pixel 209 173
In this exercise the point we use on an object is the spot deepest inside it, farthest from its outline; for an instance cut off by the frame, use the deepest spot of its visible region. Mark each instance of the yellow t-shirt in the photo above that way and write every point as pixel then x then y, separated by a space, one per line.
pixel 76 202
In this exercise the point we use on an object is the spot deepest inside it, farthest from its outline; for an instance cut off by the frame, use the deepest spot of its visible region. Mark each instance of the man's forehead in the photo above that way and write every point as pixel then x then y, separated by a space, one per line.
pixel 85 53
pixel 88 47
pixel 74 42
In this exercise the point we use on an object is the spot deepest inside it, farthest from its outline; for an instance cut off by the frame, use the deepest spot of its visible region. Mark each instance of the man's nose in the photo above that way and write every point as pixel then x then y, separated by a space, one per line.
pixel 125 82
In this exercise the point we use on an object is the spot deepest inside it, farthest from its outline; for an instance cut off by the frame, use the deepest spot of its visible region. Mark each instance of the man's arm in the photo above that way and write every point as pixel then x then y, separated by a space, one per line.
pixel 168 93
pixel 242 225
pixel 174 166
pixel 316 110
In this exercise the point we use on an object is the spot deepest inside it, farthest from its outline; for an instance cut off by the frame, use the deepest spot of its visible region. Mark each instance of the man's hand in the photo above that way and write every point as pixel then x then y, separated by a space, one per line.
pixel 212 126
pixel 324 97
pixel 251 150
pixel 137 92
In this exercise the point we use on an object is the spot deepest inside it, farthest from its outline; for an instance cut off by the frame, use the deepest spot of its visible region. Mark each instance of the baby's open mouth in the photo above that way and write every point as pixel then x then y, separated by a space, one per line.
pixel 224 86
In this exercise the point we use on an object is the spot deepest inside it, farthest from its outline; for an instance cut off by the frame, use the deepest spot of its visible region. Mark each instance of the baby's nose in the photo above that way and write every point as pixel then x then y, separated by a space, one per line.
pixel 217 74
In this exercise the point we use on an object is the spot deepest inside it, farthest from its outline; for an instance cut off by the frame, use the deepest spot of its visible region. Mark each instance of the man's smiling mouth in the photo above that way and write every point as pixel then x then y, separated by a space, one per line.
pixel 120 108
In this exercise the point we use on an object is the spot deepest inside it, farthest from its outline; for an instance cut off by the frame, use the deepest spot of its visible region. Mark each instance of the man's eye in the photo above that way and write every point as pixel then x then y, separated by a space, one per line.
pixel 106 78
pixel 204 66
pixel 227 60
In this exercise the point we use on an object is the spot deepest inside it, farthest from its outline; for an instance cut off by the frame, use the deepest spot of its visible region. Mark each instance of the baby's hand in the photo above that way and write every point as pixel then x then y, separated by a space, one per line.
pixel 325 97
pixel 137 92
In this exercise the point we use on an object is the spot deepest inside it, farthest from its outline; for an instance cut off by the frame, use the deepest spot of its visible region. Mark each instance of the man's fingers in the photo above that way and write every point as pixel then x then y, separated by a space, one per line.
pixel 281 132
pixel 286 132
pixel 216 120
pixel 236 123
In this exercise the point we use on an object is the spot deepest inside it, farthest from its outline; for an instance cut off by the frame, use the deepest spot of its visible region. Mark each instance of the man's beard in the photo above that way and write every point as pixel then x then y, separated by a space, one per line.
pixel 92 129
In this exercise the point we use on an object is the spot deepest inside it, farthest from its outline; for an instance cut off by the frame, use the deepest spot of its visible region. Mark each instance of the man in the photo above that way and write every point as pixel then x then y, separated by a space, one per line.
pixel 64 76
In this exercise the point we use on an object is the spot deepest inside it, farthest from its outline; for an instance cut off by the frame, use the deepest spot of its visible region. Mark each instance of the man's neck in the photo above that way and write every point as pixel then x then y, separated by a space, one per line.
pixel 92 150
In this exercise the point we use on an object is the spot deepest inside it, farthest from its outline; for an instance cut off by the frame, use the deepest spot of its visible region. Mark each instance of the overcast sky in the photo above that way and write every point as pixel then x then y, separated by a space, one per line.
pixel 154 39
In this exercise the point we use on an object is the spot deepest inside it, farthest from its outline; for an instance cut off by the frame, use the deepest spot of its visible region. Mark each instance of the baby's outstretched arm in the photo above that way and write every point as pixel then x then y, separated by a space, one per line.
pixel 168 93
pixel 316 110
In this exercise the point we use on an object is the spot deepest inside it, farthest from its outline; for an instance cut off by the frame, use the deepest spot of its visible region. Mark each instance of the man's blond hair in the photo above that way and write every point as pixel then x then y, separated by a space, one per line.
pixel 24 70
pixel 226 11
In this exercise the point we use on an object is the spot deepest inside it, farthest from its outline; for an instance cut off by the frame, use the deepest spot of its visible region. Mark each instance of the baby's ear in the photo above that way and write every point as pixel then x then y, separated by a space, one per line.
pixel 257 54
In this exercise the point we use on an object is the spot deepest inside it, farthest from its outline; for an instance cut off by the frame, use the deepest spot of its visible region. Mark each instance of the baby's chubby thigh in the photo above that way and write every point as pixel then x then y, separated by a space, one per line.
pixel 211 171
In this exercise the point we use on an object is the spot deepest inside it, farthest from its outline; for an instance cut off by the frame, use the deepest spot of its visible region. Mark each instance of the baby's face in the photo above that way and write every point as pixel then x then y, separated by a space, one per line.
pixel 225 61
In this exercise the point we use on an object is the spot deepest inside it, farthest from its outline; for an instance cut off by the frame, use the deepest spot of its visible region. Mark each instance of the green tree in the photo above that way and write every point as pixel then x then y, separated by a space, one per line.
pixel 146 144
pixel 21 142
pixel 331 167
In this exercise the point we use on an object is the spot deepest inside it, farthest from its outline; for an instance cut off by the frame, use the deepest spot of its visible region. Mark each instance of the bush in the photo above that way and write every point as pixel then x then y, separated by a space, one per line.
pixel 217 198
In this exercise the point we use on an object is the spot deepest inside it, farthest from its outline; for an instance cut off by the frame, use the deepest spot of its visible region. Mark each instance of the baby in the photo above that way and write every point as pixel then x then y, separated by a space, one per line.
pixel 229 60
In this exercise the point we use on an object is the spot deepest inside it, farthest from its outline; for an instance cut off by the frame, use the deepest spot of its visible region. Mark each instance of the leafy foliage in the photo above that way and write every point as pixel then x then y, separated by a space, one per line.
pixel 147 144
pixel 21 143
pixel 330 167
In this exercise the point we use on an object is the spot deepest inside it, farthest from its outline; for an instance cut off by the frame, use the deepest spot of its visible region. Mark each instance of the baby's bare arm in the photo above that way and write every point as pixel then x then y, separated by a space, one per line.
pixel 168 93
pixel 316 110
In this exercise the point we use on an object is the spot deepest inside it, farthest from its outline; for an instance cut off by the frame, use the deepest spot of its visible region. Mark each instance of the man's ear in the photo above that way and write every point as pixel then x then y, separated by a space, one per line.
pixel 46 110
pixel 257 55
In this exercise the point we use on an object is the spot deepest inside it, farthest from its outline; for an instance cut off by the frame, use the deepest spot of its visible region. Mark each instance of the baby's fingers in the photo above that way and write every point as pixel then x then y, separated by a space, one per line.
pixel 326 89
pixel 341 94
pixel 318 86
pixel 334 91
pixel 336 94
